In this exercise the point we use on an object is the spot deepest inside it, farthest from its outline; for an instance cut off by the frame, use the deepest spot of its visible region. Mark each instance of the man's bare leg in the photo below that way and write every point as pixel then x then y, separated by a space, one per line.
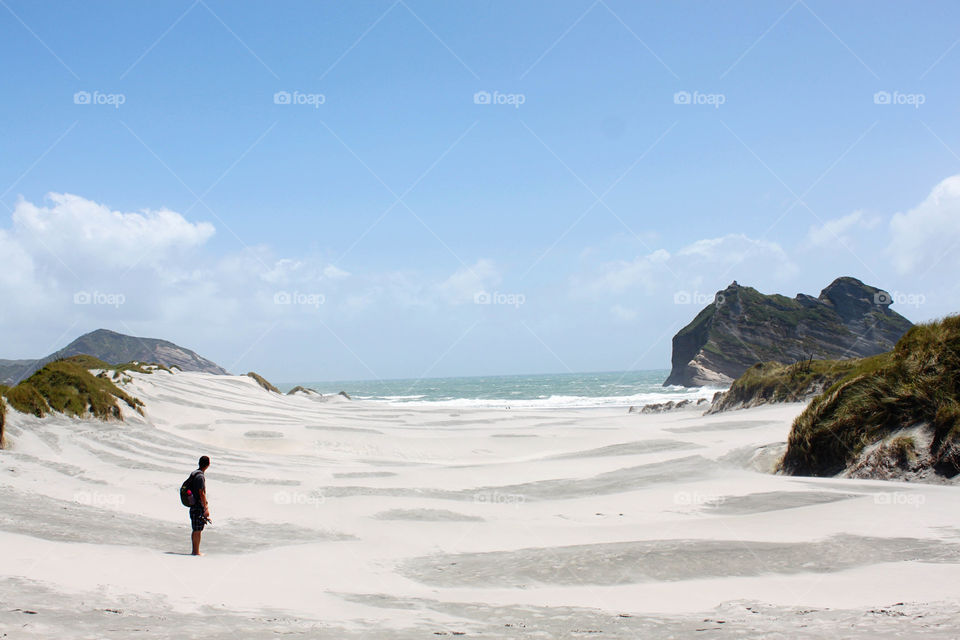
pixel 195 538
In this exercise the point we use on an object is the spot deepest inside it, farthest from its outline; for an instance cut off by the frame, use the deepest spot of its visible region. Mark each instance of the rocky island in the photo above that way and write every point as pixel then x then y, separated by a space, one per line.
pixel 742 327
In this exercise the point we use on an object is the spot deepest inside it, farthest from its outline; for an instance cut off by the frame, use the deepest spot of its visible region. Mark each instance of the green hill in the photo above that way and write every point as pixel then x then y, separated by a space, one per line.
pixel 111 346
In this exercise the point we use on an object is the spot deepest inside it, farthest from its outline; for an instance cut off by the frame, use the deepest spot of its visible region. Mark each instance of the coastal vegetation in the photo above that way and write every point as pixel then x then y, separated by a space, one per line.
pixel 263 382
pixel 90 362
pixel 917 385
pixel 304 390
pixel 770 382
pixel 68 386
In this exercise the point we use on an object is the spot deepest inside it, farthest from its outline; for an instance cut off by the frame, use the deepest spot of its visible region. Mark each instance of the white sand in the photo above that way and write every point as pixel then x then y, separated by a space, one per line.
pixel 350 519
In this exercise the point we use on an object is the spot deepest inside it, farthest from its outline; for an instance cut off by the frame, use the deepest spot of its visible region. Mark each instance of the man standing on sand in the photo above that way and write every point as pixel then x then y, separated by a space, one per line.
pixel 200 510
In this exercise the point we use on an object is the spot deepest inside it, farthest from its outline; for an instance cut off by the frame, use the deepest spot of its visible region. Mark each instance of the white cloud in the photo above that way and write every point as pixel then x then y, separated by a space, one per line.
pixel 732 255
pixel 644 271
pixel 835 232
pixel 735 248
pixel 334 273
pixel 78 230
pixel 467 281
pixel 281 271
pixel 156 262
pixel 396 287
pixel 925 234
pixel 623 314
pixel 17 263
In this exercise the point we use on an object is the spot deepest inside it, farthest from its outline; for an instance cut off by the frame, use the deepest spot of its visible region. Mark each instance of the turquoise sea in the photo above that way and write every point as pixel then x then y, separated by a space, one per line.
pixel 621 388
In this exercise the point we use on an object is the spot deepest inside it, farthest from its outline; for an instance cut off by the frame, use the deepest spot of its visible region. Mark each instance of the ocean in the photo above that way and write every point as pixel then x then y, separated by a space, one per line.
pixel 608 389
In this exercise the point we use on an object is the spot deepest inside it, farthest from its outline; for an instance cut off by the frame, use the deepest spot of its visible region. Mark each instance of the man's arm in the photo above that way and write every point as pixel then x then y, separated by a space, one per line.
pixel 203 500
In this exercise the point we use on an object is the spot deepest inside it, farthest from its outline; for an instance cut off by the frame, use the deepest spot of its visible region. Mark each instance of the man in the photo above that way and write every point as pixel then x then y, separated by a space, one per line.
pixel 200 510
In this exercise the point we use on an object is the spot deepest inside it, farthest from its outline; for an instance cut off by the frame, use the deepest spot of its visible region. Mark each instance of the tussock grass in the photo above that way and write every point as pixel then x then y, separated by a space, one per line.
pixel 903 449
pixel 66 386
pixel 306 390
pixel 26 399
pixel 263 382
pixel 91 362
pixel 916 383
pixel 767 382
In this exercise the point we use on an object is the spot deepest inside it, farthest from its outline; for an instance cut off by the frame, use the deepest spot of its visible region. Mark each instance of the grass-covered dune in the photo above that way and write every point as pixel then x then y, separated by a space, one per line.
pixel 68 386
pixel 767 382
pixel 898 409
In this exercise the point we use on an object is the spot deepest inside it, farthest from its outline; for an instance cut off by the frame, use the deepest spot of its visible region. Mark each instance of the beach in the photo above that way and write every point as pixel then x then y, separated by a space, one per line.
pixel 359 519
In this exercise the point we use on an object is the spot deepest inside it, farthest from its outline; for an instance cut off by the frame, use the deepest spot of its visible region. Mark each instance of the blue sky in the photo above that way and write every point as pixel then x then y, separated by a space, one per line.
pixel 392 194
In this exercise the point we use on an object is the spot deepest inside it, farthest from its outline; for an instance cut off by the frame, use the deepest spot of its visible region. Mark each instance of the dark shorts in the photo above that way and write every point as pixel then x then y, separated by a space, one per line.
pixel 196 518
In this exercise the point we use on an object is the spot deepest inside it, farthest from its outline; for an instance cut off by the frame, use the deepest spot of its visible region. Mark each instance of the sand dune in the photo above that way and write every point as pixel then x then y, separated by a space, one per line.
pixel 361 520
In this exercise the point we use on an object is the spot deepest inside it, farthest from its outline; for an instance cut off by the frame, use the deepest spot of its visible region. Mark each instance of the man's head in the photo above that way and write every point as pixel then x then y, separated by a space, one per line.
pixel 204 463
